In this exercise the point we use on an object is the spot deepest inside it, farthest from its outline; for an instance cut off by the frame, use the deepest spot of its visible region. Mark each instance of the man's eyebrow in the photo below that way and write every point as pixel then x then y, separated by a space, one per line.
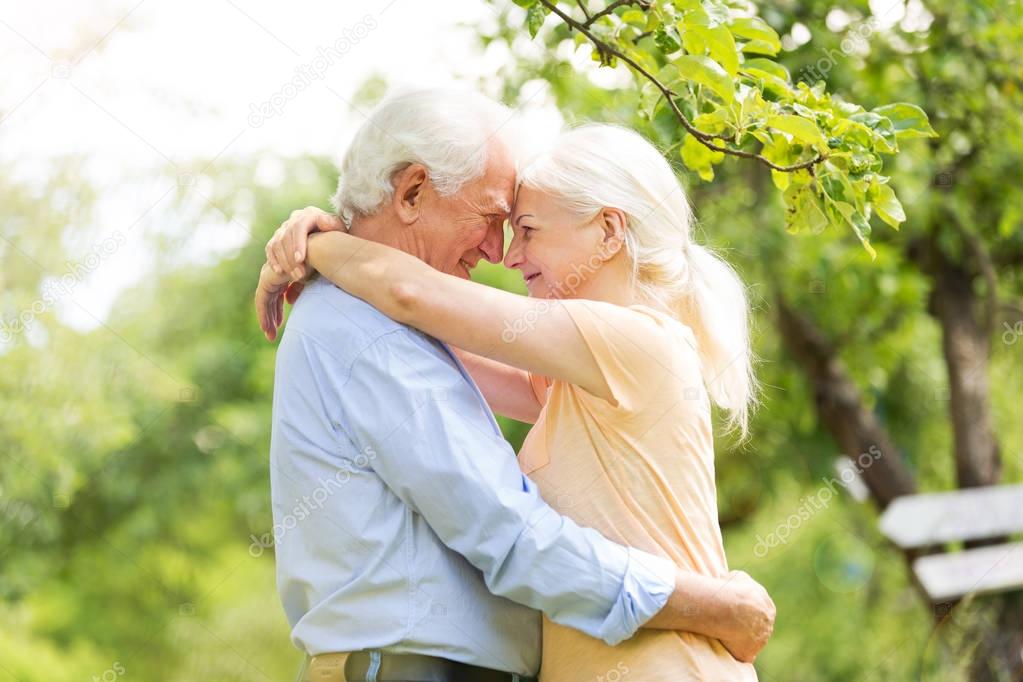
pixel 523 215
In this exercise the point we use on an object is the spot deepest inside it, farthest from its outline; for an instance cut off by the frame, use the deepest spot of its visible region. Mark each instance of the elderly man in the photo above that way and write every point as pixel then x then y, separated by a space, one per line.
pixel 427 554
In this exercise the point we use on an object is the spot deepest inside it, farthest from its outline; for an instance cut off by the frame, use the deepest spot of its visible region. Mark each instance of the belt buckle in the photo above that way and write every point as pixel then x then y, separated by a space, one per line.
pixel 327 668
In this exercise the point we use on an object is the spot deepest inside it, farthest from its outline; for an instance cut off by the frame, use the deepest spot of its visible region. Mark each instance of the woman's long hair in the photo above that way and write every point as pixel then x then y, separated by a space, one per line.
pixel 598 166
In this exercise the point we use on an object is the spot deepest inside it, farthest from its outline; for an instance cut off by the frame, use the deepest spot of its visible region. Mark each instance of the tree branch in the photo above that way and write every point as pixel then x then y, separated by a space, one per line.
pixel 582 6
pixel 706 139
pixel 611 8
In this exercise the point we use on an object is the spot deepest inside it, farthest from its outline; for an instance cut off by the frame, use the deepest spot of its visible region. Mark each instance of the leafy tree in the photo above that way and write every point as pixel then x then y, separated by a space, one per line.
pixel 712 68
pixel 892 352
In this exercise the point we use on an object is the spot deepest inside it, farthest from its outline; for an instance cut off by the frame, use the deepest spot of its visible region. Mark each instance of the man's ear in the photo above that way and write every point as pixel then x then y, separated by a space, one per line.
pixel 409 189
pixel 614 223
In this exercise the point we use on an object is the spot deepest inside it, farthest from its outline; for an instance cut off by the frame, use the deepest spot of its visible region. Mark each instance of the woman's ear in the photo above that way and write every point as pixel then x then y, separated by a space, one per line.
pixel 409 189
pixel 614 224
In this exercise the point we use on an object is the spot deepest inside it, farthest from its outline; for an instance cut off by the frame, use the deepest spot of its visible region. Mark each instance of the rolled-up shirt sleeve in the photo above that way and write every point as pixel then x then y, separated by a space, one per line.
pixel 437 447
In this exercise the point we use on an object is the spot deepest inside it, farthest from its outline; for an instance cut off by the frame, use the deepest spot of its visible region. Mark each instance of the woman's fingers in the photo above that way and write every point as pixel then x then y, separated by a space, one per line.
pixel 286 250
pixel 280 252
pixel 263 313
pixel 285 253
pixel 297 233
pixel 279 315
pixel 271 258
pixel 274 252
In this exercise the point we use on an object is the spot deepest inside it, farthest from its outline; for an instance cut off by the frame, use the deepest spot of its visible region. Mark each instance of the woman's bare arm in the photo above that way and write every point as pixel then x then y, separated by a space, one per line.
pixel 536 335
pixel 506 388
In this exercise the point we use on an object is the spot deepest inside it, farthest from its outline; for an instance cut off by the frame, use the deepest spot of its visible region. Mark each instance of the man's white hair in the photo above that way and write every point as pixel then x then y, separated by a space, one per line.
pixel 448 130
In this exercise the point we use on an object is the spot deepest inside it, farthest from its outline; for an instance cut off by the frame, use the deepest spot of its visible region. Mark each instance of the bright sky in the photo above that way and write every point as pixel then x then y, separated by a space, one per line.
pixel 142 89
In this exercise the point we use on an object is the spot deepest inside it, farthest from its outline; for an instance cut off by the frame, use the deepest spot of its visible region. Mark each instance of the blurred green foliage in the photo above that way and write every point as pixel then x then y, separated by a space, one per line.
pixel 134 473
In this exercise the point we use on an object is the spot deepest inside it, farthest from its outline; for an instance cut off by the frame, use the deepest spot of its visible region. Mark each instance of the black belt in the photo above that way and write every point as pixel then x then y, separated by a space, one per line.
pixel 420 668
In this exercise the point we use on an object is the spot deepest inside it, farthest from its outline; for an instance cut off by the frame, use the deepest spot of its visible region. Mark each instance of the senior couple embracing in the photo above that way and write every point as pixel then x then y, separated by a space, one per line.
pixel 595 552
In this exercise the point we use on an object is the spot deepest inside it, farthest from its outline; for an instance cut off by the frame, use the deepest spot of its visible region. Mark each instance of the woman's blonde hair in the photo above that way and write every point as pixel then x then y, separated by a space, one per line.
pixel 598 166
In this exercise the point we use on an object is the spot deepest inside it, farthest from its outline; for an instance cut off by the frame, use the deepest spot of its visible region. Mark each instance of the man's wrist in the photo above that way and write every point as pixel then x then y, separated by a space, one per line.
pixel 647 585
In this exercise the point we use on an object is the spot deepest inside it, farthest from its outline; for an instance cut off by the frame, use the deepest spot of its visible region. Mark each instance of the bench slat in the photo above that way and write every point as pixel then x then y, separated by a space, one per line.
pixel 982 570
pixel 968 514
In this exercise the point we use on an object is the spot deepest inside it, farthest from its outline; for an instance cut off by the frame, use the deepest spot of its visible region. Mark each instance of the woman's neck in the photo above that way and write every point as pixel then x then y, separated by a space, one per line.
pixel 611 283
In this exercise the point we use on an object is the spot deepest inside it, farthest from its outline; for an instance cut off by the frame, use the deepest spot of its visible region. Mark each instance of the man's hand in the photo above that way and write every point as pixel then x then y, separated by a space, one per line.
pixel 271 292
pixel 735 610
pixel 286 250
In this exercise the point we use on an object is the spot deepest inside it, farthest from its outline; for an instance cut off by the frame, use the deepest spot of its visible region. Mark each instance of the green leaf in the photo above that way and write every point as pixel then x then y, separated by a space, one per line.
pixel 667 40
pixel 761 65
pixel 721 45
pixel 525 3
pixel 852 131
pixel 635 17
pixel 802 129
pixel 717 12
pixel 760 47
pixel 774 77
pixel 643 58
pixel 909 120
pixel 859 225
pixel 699 157
pixel 715 122
pixel 649 99
pixel 694 38
pixel 887 205
pixel 706 71
pixel 762 37
pixel 534 19
pixel 803 209
pixel 882 128
pixel 776 149
pixel 780 179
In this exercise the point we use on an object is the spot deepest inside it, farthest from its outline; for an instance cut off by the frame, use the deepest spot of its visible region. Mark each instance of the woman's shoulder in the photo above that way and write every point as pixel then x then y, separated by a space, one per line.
pixel 637 326
pixel 666 323
pixel 639 349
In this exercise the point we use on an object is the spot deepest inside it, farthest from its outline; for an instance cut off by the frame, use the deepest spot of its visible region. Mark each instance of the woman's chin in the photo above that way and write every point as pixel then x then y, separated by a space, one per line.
pixel 535 287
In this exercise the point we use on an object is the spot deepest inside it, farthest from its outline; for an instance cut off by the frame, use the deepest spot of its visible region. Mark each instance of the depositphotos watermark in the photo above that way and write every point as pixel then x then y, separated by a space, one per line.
pixel 313 70
pixel 309 504
pixel 57 288
pixel 1012 333
pixel 857 39
pixel 110 674
pixel 615 674
pixel 811 504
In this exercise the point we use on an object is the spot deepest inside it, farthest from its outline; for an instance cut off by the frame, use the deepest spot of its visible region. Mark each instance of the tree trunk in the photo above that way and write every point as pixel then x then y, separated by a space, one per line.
pixel 840 407
pixel 966 346
pixel 965 341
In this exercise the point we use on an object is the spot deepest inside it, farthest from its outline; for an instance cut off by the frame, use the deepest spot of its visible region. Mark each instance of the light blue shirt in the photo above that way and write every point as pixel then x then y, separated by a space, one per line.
pixel 401 519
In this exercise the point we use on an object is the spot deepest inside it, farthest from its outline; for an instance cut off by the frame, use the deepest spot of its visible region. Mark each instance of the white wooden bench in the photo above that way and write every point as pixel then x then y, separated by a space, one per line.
pixel 918 521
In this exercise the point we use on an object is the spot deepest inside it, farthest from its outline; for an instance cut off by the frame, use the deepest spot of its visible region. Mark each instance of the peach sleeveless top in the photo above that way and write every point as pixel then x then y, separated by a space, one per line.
pixel 640 470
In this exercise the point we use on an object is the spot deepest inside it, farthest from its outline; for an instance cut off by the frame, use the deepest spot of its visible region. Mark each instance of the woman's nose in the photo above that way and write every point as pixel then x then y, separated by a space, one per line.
pixel 513 258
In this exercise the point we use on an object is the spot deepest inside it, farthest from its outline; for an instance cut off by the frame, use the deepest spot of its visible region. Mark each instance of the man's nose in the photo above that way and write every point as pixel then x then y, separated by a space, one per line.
pixel 493 244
